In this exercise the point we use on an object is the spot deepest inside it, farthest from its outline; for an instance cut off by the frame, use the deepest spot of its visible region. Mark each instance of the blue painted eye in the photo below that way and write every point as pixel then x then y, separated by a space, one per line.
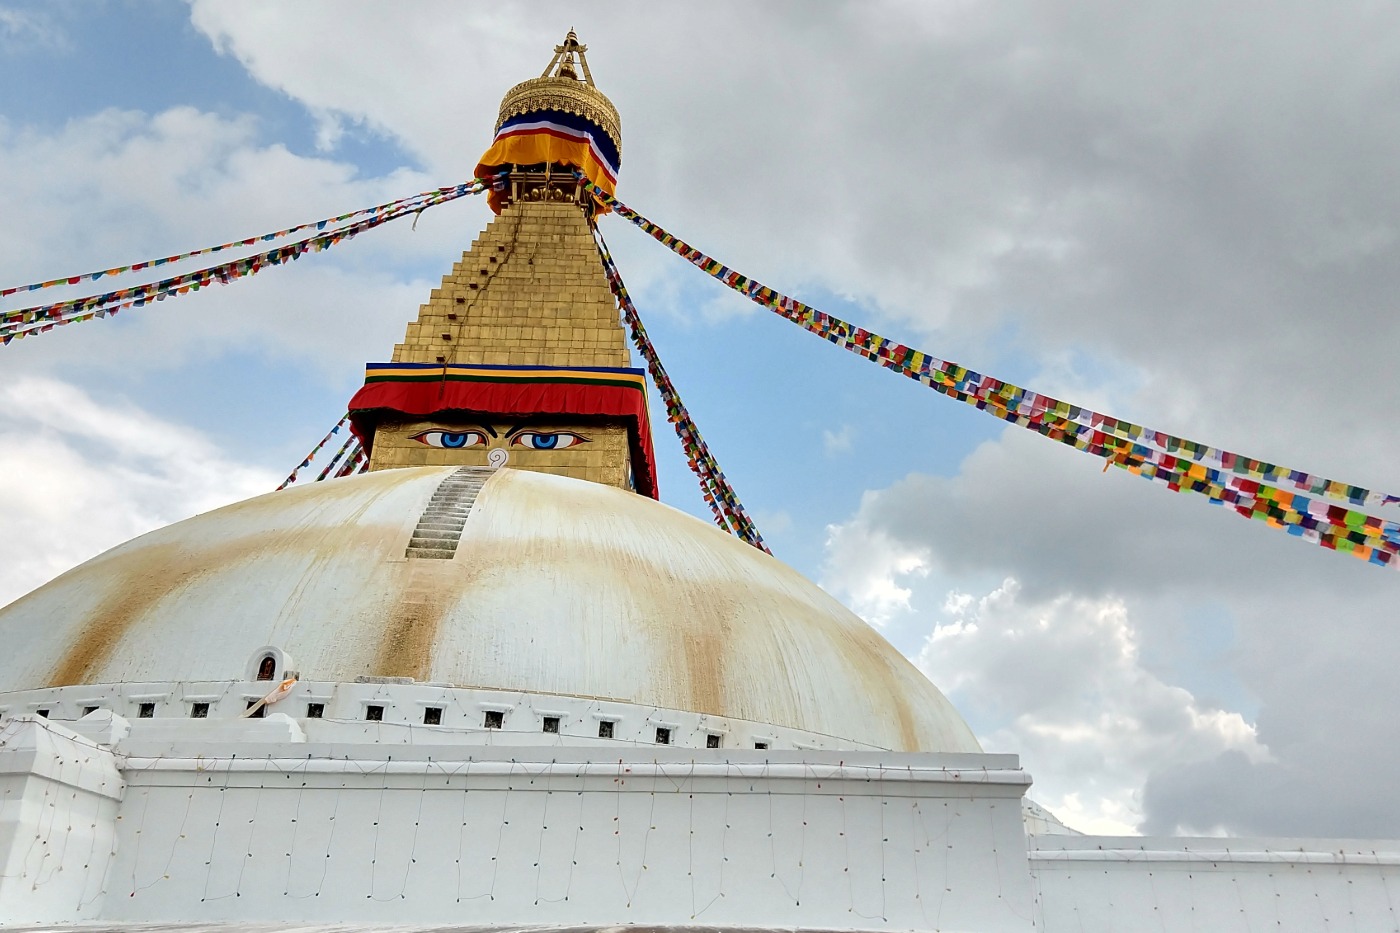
pixel 453 440
pixel 547 440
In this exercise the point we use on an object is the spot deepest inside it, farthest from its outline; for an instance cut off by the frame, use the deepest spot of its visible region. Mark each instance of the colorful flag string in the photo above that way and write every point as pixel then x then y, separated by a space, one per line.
pixel 41 319
pixel 292 477
pixel 335 459
pixel 1182 465
pixel 357 462
pixel 232 244
pixel 719 495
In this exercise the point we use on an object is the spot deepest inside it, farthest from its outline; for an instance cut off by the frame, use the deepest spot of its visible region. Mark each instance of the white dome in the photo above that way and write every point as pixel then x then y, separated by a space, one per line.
pixel 556 586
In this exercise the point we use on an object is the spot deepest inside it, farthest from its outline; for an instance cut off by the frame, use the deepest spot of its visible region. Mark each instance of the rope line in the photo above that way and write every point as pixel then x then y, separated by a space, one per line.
pixel 716 489
pixel 336 459
pixel 232 244
pixel 1181 466
pixel 43 318
pixel 292 477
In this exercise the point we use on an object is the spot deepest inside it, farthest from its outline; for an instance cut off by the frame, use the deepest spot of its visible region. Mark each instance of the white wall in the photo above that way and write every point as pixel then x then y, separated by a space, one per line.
pixel 59 798
pixel 1089 884
pixel 424 835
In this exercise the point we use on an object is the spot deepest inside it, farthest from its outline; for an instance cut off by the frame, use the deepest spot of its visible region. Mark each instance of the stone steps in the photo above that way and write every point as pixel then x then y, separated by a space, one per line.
pixel 440 526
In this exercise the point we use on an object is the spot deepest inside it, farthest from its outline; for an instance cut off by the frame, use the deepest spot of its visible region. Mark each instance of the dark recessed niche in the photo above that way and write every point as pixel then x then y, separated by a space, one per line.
pixel 760 745
pixel 199 710
pixel 432 715
pixel 663 735
pixel 315 711
pixel 712 741
pixel 551 724
pixel 261 710
pixel 605 729
pixel 89 709
pixel 146 711
pixel 495 719
pixel 374 713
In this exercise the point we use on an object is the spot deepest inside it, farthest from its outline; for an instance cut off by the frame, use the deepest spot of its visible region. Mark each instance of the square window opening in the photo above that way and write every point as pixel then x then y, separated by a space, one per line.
pixel 199 710
pixel 712 741
pixel 495 719
pixel 374 713
pixel 146 711
pixel 42 712
pixel 432 716
pixel 760 745
pixel 605 729
pixel 89 709
pixel 663 735
pixel 551 725
pixel 315 711
pixel 260 712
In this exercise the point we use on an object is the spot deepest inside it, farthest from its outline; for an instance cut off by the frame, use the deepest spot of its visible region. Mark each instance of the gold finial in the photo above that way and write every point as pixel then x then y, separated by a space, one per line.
pixel 560 88
pixel 562 64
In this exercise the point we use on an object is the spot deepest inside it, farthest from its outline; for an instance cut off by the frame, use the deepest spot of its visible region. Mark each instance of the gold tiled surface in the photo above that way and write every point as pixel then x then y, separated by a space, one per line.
pixel 530 292
pixel 604 458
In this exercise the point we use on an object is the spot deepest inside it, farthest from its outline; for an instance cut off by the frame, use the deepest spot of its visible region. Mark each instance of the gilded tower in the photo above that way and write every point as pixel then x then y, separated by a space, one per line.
pixel 518 357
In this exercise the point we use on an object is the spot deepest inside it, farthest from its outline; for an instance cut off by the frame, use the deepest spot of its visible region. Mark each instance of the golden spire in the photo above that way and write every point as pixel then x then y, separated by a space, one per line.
pixel 562 64
pixel 560 88
pixel 519 358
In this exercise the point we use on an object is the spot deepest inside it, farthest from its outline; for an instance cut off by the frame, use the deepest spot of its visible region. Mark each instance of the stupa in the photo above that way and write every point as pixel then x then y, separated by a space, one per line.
pixel 494 682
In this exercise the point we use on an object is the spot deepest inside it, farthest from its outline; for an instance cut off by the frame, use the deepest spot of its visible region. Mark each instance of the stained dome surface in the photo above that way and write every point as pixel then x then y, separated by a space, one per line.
pixel 556 586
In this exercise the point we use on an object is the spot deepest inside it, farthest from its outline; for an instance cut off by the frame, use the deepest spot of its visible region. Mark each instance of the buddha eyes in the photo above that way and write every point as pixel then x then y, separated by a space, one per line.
pixel 552 440
pixel 532 440
pixel 453 440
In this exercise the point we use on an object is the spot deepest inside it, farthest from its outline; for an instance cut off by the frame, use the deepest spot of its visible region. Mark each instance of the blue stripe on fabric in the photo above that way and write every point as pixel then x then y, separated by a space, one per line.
pixel 574 122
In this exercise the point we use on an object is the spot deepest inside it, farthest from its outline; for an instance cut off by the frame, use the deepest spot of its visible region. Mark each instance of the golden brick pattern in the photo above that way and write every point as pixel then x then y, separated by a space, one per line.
pixel 530 292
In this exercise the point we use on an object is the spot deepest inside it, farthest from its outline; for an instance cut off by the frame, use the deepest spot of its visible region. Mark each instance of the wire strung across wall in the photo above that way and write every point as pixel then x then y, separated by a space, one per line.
pixel 1182 465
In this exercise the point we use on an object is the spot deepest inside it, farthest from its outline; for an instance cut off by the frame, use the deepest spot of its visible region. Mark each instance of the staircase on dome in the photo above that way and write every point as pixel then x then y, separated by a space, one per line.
pixel 519 358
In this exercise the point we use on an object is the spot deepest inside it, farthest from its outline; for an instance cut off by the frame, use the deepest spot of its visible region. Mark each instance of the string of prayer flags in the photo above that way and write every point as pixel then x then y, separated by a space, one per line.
pixel 335 460
pixel 232 244
pixel 1250 487
pixel 41 319
pixel 292 477
pixel 992 389
pixel 356 462
pixel 719 495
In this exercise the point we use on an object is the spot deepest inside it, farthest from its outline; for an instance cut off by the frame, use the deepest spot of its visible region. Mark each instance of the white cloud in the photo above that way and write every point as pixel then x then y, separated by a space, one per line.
pixel 84 475
pixel 29 29
pixel 120 186
pixel 1149 650
pixel 1061 682
pixel 871 571
pixel 837 442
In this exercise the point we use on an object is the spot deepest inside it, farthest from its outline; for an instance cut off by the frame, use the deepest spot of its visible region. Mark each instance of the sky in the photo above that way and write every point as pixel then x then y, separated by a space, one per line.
pixel 1183 213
